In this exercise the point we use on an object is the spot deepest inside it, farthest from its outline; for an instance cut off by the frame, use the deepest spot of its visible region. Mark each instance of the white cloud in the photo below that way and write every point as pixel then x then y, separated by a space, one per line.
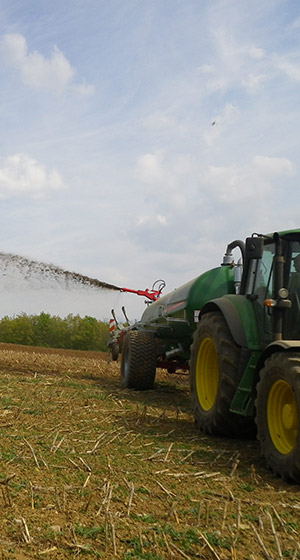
pixel 207 68
pixel 167 182
pixel 156 169
pixel 22 175
pixel 85 90
pixel 270 167
pixel 257 53
pixel 150 168
pixel 152 220
pixel 250 182
pixel 13 48
pixel 161 220
pixel 252 82
pixel 53 73
pixel 291 69
pixel 160 121
pixel 296 23
pixel 236 54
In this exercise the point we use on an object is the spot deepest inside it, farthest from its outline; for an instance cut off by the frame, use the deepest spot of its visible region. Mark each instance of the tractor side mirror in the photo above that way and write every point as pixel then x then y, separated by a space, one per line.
pixel 254 247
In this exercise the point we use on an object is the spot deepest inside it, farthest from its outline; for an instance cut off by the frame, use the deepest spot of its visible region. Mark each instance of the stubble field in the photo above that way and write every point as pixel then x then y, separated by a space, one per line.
pixel 91 471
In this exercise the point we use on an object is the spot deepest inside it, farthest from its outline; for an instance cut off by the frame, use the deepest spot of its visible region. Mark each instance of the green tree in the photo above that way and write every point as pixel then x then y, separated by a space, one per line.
pixel 43 330
pixel 41 325
pixel 23 330
pixel 6 329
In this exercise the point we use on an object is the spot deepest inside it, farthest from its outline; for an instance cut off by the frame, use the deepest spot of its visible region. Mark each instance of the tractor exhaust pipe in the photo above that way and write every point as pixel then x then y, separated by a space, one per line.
pixel 228 257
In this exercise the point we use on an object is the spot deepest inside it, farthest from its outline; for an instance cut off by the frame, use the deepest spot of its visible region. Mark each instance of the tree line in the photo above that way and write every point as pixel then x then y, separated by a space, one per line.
pixel 71 332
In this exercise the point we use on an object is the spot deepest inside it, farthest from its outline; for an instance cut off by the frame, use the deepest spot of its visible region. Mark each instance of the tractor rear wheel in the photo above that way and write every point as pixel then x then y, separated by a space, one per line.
pixel 278 414
pixel 214 377
pixel 138 364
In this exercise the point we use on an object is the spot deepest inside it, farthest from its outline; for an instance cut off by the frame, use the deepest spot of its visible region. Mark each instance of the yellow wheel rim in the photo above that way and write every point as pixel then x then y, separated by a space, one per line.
pixel 282 416
pixel 207 374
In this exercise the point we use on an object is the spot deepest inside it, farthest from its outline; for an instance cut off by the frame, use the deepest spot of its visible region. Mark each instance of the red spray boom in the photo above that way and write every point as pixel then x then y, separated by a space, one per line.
pixel 152 294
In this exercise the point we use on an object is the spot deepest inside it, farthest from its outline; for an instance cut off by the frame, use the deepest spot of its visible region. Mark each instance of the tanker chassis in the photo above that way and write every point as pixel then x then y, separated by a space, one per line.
pixel 237 329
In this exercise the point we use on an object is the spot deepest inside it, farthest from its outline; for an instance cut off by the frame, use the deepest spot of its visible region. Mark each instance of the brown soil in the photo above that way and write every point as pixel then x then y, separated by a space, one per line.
pixel 92 471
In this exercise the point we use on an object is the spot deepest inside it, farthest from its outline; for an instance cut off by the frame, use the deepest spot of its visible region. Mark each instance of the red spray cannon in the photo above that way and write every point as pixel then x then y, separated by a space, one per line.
pixel 152 294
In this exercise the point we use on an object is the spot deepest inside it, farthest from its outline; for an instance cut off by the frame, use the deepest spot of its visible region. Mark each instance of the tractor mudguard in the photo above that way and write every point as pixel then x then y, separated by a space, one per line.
pixel 240 317
pixel 278 346
pixel 231 317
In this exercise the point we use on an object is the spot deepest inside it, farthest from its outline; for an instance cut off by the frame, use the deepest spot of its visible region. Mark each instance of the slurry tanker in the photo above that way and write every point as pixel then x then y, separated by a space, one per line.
pixel 236 328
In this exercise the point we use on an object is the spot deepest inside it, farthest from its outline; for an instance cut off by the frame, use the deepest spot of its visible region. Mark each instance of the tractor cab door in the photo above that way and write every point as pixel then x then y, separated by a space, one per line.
pixel 291 323
pixel 259 285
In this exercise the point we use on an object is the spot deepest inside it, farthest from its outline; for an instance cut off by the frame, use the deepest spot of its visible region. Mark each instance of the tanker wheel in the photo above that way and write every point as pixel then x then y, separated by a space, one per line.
pixel 114 351
pixel 277 414
pixel 214 377
pixel 138 364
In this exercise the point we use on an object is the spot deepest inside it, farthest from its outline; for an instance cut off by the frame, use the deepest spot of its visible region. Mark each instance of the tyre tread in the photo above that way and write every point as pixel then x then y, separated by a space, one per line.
pixel 219 419
pixel 286 366
pixel 138 362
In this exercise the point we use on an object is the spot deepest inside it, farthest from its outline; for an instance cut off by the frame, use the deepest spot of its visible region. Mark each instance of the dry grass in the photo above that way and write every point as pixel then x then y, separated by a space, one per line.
pixel 88 470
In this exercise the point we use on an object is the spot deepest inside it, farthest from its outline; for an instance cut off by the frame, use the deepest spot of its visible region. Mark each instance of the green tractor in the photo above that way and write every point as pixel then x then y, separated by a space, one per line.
pixel 237 329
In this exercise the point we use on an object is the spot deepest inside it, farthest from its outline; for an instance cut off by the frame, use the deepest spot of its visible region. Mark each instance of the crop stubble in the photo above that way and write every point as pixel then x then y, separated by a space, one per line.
pixel 89 470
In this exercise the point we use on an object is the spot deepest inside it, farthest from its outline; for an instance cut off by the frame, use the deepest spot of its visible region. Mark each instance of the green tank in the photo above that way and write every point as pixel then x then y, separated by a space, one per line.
pixel 174 317
pixel 178 312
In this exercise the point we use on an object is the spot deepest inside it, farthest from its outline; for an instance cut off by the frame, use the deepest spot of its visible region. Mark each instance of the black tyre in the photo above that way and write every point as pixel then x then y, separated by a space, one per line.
pixel 277 414
pixel 114 351
pixel 214 377
pixel 138 364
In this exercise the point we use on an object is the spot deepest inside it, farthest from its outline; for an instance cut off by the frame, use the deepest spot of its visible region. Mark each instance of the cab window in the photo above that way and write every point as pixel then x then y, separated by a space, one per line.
pixel 261 274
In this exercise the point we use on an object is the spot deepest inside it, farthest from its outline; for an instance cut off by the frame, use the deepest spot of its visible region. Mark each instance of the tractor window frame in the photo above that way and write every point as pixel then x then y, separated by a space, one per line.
pixel 260 274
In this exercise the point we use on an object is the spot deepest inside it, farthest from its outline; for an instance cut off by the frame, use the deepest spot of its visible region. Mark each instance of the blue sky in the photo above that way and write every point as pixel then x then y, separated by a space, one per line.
pixel 139 137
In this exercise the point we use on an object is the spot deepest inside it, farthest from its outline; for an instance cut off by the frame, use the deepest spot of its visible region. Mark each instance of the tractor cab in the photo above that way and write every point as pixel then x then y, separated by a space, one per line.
pixel 271 279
